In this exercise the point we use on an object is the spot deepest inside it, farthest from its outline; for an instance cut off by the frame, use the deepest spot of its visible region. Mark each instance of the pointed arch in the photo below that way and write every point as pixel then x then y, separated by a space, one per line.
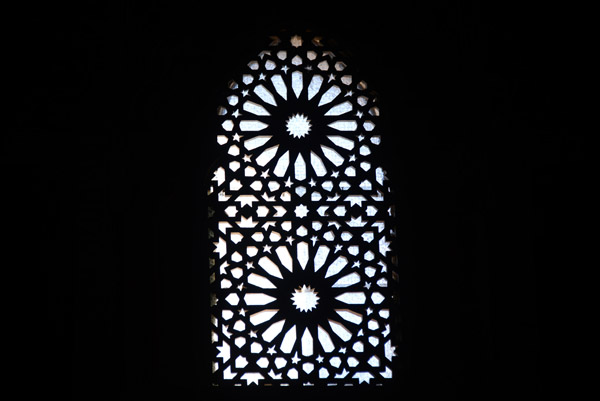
pixel 301 224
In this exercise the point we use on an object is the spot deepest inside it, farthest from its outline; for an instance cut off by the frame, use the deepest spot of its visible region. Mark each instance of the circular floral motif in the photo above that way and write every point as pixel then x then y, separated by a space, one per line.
pixel 298 125
pixel 305 298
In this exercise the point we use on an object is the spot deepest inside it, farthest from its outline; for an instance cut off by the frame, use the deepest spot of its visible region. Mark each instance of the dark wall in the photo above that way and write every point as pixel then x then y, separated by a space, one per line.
pixel 117 134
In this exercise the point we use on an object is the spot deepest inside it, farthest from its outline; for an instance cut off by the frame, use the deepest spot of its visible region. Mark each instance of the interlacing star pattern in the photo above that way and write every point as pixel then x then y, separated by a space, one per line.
pixel 303 264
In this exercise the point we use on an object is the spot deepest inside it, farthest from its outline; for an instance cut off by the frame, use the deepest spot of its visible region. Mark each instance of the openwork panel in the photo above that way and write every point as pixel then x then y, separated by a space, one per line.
pixel 303 267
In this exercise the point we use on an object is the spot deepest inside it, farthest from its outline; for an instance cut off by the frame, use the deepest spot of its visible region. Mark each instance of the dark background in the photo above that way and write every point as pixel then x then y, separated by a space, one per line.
pixel 105 176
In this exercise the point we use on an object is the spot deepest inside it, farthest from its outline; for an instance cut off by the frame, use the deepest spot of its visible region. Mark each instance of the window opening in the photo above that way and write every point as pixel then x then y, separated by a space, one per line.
pixel 303 263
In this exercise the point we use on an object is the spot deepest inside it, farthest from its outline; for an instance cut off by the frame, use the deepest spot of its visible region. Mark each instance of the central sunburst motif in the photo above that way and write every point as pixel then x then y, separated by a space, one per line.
pixel 305 298
pixel 298 125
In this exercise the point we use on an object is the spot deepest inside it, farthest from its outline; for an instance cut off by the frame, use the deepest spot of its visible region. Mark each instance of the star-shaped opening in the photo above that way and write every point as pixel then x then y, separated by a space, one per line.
pixel 298 125
pixel 305 298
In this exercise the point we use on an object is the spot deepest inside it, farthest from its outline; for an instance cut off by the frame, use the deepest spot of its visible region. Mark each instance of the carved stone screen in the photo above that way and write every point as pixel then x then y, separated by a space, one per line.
pixel 302 271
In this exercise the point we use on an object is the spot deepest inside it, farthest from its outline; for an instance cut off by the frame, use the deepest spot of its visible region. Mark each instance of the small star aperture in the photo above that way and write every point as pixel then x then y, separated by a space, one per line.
pixel 298 125
pixel 305 298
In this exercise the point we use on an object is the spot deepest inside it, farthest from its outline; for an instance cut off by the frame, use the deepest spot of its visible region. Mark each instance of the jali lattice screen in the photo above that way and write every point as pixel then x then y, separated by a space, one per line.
pixel 301 222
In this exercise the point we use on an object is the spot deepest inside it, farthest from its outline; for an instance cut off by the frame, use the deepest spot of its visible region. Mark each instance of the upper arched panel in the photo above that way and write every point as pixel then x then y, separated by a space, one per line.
pixel 300 101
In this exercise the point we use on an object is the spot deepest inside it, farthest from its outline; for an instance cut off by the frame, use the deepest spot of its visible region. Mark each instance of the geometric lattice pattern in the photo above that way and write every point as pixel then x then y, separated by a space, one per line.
pixel 303 264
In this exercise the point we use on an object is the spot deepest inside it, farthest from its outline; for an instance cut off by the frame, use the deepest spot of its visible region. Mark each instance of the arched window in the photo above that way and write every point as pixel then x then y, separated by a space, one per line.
pixel 301 222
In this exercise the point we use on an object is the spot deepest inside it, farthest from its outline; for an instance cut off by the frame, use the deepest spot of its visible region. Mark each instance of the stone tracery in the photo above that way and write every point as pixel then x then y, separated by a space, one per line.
pixel 300 204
